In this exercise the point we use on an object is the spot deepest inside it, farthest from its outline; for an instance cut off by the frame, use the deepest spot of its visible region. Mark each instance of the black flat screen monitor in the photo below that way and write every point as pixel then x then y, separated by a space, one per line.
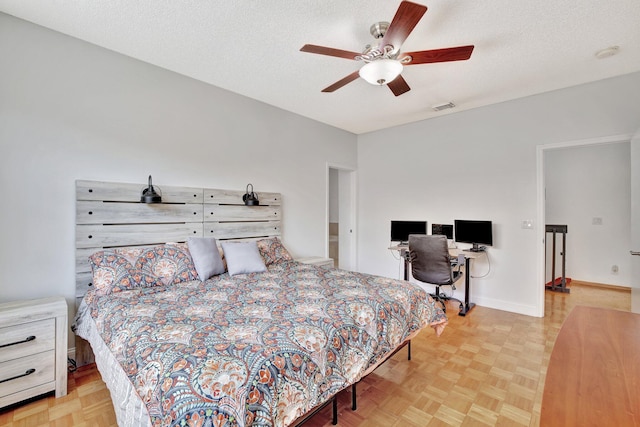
pixel 442 229
pixel 475 232
pixel 400 230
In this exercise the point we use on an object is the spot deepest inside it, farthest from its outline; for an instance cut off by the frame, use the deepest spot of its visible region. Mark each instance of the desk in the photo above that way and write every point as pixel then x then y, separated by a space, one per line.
pixel 468 256
pixel 594 370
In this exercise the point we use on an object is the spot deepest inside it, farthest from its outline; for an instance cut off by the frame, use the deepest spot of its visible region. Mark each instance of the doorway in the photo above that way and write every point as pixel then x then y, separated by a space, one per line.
pixel 635 223
pixel 594 218
pixel 341 216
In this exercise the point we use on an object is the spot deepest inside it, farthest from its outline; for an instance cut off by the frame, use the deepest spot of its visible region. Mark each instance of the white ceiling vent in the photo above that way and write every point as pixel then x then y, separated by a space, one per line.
pixel 443 106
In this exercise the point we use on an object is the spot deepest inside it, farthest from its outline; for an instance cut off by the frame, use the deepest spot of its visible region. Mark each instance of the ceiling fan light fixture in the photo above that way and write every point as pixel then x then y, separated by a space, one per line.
pixel 381 71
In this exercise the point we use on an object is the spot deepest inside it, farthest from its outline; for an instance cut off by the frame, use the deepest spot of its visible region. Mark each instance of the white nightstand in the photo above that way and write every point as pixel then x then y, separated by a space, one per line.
pixel 316 260
pixel 33 349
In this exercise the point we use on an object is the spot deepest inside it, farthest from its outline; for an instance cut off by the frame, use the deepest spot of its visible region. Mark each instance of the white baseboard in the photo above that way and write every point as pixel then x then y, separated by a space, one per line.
pixel 527 310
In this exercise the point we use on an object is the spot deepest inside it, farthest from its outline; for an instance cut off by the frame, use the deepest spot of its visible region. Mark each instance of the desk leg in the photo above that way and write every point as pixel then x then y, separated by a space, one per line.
pixel 467 306
pixel 405 255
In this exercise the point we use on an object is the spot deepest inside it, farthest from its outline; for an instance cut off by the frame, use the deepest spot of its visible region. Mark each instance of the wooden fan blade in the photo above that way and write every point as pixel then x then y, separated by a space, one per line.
pixel 399 86
pixel 337 85
pixel 460 53
pixel 322 50
pixel 403 23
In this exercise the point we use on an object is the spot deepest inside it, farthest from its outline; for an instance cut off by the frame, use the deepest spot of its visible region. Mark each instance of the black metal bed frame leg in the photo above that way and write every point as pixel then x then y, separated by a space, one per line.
pixel 354 398
pixel 354 393
pixel 335 410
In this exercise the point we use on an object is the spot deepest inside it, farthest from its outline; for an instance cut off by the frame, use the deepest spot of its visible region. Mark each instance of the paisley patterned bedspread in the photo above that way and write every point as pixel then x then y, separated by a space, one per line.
pixel 257 349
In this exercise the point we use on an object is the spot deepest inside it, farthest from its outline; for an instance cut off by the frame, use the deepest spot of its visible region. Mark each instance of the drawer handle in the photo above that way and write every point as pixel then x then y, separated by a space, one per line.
pixel 28 372
pixel 29 338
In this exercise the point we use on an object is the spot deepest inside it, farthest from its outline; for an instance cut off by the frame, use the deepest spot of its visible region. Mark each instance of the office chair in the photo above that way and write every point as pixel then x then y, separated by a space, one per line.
pixel 431 263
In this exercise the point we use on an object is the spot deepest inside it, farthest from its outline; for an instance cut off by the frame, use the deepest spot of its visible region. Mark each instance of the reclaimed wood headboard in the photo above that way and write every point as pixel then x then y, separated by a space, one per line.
pixel 110 215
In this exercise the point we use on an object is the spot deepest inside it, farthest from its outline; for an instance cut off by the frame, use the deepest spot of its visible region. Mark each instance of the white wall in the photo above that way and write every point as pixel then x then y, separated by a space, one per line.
pixel 583 183
pixel 481 164
pixel 70 110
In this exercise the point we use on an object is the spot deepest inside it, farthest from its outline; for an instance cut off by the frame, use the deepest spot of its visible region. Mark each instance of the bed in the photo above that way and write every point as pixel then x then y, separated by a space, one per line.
pixel 254 348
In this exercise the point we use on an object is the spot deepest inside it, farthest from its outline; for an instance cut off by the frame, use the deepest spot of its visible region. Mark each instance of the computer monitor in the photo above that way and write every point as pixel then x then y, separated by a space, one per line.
pixel 442 229
pixel 400 230
pixel 475 232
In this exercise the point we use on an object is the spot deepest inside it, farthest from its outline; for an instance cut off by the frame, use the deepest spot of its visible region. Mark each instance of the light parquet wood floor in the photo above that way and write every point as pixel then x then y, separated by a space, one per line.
pixel 487 369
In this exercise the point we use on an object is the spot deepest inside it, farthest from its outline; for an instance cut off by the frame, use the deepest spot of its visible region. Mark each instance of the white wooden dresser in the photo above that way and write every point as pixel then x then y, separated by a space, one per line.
pixel 316 260
pixel 33 349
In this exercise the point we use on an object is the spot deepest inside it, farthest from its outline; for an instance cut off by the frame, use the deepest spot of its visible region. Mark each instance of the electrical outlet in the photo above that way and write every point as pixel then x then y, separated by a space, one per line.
pixel 527 224
pixel 596 220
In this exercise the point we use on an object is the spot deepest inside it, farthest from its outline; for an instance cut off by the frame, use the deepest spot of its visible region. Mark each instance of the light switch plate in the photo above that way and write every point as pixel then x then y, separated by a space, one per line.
pixel 527 224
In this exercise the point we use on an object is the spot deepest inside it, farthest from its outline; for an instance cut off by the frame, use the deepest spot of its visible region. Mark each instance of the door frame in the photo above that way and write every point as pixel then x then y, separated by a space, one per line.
pixel 540 202
pixel 353 259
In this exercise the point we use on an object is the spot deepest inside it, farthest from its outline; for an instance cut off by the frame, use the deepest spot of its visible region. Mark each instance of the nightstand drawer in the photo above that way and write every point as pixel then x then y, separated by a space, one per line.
pixel 27 338
pixel 16 375
pixel 33 349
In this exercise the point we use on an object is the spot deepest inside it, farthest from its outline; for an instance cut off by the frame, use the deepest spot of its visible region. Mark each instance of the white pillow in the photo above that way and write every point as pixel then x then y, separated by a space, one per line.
pixel 206 257
pixel 243 257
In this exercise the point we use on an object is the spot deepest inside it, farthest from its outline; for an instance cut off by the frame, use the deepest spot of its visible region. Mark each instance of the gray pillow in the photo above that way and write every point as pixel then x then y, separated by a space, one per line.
pixel 243 257
pixel 206 257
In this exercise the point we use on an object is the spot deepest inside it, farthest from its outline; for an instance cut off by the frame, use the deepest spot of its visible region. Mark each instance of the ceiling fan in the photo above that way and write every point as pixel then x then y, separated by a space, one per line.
pixel 383 60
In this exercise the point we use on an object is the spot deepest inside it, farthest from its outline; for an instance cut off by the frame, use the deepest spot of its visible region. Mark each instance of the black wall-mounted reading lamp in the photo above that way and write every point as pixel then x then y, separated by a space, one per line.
pixel 150 195
pixel 250 198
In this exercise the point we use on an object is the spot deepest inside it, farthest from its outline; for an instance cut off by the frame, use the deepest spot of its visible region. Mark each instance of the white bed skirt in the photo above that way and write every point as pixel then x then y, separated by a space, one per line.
pixel 129 408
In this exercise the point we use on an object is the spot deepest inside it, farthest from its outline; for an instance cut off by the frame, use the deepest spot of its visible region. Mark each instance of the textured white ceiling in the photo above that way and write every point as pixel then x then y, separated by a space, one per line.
pixel 251 47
